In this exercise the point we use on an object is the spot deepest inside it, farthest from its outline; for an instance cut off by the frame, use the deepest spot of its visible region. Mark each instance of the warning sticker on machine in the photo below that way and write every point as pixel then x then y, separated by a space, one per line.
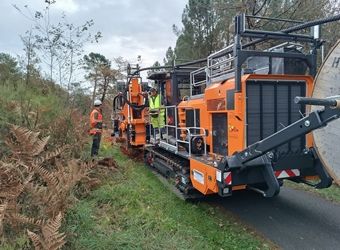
pixel 198 176
pixel 218 175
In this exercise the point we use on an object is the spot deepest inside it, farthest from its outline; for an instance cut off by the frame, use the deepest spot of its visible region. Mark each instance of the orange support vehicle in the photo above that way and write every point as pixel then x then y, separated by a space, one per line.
pixel 239 122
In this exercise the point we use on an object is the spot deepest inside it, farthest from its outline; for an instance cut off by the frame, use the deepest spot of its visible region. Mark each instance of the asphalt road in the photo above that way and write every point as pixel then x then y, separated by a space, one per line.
pixel 293 220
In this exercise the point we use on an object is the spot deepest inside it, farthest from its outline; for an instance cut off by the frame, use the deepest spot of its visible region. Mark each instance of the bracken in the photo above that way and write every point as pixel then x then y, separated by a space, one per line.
pixel 36 187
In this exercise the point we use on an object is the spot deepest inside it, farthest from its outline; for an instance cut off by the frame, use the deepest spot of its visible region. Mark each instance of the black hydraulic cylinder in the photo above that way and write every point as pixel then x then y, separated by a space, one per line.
pixel 316 101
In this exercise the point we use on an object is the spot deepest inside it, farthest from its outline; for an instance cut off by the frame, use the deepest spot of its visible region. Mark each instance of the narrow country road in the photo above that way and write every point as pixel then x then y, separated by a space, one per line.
pixel 293 220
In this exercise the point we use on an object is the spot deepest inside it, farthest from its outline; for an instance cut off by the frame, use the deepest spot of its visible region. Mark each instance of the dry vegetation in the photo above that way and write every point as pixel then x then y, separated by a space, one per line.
pixel 36 187
pixel 44 167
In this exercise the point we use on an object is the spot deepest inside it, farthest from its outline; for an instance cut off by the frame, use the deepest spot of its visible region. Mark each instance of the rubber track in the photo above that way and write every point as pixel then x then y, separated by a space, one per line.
pixel 178 163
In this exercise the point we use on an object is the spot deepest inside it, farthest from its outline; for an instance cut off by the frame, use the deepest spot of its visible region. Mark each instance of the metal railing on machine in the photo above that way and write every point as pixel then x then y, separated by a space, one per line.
pixel 170 138
pixel 220 66
pixel 190 135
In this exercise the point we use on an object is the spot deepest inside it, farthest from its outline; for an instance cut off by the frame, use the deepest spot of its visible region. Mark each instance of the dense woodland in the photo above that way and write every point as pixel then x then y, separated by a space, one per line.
pixel 45 98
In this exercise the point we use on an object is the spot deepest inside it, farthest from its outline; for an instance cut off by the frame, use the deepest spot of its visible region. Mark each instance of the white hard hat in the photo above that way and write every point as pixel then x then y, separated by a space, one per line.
pixel 97 102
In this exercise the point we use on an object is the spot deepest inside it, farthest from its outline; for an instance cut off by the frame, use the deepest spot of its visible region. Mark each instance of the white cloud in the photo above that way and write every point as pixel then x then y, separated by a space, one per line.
pixel 129 27
pixel 68 6
pixel 129 47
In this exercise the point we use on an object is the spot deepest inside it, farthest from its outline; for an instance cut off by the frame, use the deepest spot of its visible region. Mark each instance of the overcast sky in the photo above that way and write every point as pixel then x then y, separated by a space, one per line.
pixel 129 27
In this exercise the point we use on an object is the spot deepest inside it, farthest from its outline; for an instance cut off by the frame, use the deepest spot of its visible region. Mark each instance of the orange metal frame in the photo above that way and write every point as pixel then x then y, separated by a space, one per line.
pixel 203 175
pixel 138 123
pixel 236 121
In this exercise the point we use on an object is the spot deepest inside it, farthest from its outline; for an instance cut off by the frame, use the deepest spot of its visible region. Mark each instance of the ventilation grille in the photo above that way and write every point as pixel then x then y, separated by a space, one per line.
pixel 270 108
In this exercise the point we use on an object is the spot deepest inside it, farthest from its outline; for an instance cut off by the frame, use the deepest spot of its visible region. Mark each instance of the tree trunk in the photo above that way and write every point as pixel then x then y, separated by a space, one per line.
pixel 94 90
pixel 105 85
pixel 70 76
pixel 51 70
pixel 28 73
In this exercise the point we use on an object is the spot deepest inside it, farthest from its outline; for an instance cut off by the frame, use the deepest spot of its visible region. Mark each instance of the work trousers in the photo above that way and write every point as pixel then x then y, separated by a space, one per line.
pixel 95 144
pixel 158 121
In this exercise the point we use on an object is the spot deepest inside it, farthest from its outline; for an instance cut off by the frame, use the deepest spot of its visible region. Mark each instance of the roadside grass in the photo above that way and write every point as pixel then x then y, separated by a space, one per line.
pixel 332 193
pixel 133 210
pixel 20 241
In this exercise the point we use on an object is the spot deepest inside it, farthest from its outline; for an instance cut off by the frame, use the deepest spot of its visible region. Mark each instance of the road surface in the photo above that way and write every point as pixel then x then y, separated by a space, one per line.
pixel 293 220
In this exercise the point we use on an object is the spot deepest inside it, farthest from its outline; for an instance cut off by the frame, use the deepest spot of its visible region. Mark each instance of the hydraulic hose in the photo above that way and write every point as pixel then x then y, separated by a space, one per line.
pixel 115 105
pixel 132 105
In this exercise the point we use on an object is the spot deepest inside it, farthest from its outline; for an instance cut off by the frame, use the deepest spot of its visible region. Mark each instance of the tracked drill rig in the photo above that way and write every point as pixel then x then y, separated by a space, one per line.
pixel 240 122
pixel 130 114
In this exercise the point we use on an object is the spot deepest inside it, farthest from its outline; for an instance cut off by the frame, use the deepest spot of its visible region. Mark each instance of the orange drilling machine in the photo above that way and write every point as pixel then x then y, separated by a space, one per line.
pixel 240 122
pixel 130 114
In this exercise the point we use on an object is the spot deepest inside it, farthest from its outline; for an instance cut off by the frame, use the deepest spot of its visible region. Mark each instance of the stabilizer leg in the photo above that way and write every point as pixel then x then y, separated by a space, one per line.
pixel 273 186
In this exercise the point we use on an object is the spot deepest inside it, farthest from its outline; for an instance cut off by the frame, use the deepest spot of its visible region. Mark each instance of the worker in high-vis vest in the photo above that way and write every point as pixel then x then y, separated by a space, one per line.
pixel 96 126
pixel 156 110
